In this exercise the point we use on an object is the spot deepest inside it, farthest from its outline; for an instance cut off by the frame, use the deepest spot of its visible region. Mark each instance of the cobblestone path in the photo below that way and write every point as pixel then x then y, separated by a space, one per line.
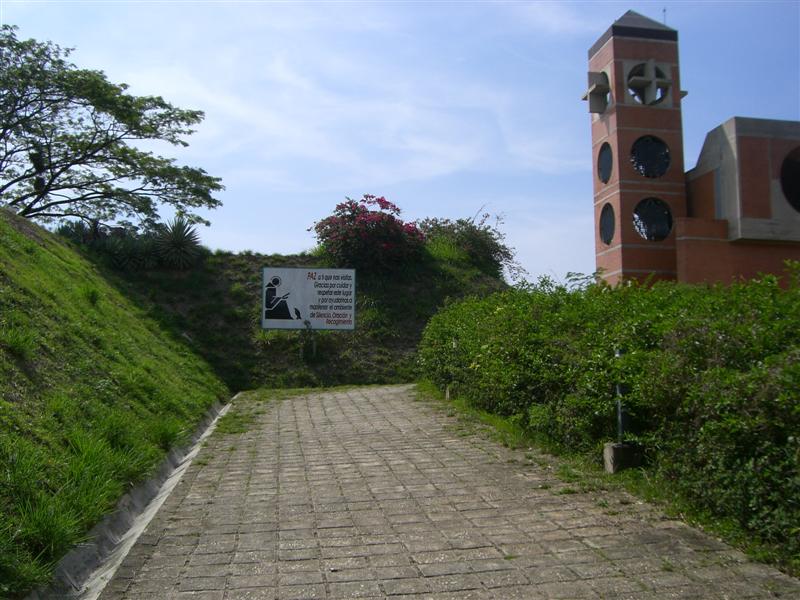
pixel 367 493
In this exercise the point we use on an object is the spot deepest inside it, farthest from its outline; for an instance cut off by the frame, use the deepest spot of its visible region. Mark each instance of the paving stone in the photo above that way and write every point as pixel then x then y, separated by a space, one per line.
pixel 300 578
pixel 195 584
pixel 395 587
pixel 207 559
pixel 354 589
pixel 207 595
pixel 367 493
pixel 452 583
pixel 236 582
pixel 302 592
pixel 264 593
pixel 568 589
pixel 499 579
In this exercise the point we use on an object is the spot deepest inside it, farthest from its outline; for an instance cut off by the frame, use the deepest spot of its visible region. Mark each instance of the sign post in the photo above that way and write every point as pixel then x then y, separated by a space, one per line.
pixel 308 298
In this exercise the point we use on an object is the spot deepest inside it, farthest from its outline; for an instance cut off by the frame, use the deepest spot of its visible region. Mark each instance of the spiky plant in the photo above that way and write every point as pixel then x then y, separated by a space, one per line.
pixel 75 231
pixel 121 252
pixel 178 244
pixel 147 253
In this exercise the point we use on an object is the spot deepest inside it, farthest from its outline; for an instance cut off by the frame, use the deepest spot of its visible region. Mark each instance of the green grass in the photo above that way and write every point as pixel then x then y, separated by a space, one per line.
pixel 507 432
pixel 446 251
pixel 234 422
pixel 249 405
pixel 93 392
pixel 585 473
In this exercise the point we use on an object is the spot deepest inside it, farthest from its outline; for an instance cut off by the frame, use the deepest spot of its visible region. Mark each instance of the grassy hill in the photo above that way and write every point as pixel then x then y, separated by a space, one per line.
pixel 215 309
pixel 92 393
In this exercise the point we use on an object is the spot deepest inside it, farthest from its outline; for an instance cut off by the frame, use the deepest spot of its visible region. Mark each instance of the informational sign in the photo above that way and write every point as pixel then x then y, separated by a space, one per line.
pixel 303 298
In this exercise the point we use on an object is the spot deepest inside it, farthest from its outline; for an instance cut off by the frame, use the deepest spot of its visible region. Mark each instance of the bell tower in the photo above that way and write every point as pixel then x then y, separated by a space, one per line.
pixel 637 148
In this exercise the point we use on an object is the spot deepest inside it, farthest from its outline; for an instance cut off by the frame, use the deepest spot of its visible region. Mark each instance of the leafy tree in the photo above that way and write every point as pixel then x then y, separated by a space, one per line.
pixel 70 143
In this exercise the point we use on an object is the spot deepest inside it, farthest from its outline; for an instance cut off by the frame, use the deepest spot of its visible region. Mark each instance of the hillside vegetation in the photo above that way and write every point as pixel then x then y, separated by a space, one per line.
pixel 214 306
pixel 711 377
pixel 92 393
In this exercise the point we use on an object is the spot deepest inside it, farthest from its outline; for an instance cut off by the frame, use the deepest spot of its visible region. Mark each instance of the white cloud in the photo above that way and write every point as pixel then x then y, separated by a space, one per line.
pixel 287 114
pixel 555 17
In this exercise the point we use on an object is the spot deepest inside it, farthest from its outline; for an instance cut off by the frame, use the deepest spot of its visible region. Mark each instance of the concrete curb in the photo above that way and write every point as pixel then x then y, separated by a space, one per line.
pixel 86 569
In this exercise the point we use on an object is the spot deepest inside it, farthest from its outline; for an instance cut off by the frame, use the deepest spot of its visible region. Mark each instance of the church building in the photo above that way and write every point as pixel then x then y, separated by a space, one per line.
pixel 735 215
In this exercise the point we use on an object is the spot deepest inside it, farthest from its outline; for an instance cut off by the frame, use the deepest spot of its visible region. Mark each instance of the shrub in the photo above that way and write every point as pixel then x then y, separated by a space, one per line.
pixel 78 232
pixel 368 234
pixel 174 245
pixel 711 374
pixel 743 430
pixel 482 244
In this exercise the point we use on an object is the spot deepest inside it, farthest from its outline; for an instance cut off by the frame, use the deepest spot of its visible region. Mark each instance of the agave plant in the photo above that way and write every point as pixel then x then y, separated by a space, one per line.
pixel 121 252
pixel 75 231
pixel 178 244
pixel 147 254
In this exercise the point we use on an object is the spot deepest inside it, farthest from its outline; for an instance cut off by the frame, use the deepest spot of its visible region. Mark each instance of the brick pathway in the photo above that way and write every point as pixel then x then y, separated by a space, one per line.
pixel 369 494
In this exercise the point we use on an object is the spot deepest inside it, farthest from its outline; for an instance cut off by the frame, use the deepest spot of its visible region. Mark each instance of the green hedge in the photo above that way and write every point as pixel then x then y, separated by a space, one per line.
pixel 712 377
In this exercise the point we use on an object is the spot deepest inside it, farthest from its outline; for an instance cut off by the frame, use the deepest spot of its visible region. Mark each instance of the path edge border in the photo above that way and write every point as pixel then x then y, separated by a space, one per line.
pixel 76 569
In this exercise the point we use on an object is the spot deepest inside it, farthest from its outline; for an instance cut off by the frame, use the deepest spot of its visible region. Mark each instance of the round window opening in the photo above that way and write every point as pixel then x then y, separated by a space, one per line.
pixel 790 178
pixel 647 83
pixel 607 224
pixel 605 160
pixel 652 219
pixel 650 156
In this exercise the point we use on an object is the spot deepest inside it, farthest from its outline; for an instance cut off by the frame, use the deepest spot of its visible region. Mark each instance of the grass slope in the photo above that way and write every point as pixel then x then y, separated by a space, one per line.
pixel 92 394
pixel 216 306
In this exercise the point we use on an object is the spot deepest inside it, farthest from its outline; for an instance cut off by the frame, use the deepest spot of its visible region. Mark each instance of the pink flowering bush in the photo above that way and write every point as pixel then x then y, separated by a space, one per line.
pixel 369 234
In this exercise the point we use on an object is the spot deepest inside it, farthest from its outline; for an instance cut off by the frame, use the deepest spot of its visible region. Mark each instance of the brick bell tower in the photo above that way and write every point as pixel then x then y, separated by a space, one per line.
pixel 634 99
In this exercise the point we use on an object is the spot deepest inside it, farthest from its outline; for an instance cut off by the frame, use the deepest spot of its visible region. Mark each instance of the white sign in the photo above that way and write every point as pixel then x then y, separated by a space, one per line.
pixel 299 298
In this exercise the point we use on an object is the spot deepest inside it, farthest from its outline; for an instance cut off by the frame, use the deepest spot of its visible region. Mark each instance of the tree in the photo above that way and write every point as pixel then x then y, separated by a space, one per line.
pixel 68 143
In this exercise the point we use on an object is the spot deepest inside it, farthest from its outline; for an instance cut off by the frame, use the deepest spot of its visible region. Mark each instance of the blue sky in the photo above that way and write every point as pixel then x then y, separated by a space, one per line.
pixel 445 108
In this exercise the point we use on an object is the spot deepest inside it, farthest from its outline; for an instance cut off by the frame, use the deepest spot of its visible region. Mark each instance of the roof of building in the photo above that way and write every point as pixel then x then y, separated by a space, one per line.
pixel 632 24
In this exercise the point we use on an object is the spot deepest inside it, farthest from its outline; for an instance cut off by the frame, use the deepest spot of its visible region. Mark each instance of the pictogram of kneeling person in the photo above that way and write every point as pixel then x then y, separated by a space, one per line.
pixel 279 306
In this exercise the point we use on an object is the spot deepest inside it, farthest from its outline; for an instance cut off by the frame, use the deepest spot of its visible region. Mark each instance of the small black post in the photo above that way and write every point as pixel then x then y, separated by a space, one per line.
pixel 620 431
pixel 619 455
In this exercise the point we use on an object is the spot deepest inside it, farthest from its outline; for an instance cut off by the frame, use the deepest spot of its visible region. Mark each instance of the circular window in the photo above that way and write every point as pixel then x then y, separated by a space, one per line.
pixel 605 159
pixel 650 156
pixel 607 224
pixel 652 219
pixel 790 178
pixel 647 84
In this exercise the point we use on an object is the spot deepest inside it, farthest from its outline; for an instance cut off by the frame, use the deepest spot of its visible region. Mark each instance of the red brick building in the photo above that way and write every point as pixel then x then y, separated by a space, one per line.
pixel 736 214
